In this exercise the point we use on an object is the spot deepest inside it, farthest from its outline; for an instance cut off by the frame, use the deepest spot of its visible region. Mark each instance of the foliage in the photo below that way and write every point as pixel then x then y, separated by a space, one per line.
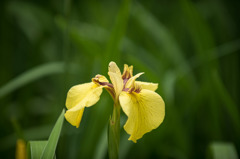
pixel 191 48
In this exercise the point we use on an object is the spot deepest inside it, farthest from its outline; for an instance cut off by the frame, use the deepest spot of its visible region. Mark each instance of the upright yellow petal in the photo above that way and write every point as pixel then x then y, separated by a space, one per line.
pixel 79 97
pixel 127 72
pixel 114 68
pixel 116 78
pixel 130 83
pixel 147 85
pixel 145 111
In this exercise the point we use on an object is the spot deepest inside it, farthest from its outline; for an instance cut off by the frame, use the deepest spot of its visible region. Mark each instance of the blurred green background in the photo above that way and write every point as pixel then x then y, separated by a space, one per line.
pixel 191 48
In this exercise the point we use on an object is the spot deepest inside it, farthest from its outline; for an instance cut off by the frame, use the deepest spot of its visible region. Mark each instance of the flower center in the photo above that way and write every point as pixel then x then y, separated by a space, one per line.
pixel 135 88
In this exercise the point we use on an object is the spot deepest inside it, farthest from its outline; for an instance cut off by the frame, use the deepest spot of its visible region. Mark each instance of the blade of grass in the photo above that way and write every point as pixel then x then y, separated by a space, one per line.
pixel 112 48
pixel 31 75
pixel 35 149
pixel 220 150
pixel 162 37
pixel 203 40
pixel 101 149
pixel 50 148
pixel 229 105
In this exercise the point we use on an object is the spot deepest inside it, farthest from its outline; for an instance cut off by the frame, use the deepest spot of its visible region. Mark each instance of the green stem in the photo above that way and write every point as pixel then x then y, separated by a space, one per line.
pixel 114 132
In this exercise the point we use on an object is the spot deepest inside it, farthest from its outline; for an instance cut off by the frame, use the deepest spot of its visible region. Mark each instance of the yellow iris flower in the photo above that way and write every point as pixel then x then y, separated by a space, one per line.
pixel 144 108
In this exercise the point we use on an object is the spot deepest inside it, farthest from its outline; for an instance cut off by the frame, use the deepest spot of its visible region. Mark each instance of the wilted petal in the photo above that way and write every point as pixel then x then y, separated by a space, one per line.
pixel 147 85
pixel 79 97
pixel 145 111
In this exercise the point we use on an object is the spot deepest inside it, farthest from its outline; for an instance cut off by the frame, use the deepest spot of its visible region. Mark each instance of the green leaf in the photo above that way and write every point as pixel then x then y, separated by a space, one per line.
pixel 46 149
pixel 160 34
pixel 36 148
pixel 50 148
pixel 102 145
pixel 221 150
pixel 31 75
pixel 117 34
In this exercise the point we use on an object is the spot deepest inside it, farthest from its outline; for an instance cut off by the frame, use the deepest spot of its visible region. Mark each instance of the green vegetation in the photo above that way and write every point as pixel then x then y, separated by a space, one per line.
pixel 191 48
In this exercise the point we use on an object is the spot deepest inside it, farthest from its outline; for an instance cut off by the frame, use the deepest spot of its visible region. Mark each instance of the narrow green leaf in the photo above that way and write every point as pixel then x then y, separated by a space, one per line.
pixel 125 145
pixel 35 148
pixel 162 37
pixel 117 34
pixel 101 148
pixel 50 148
pixel 31 75
pixel 221 150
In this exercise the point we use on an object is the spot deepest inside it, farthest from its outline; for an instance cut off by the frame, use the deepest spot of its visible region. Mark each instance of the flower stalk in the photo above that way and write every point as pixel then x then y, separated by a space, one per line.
pixel 114 132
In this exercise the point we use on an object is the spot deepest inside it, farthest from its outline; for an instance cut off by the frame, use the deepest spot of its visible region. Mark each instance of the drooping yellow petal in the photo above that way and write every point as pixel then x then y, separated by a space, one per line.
pixel 74 117
pixel 79 97
pixel 147 85
pixel 116 78
pixel 130 83
pixel 145 111
pixel 85 94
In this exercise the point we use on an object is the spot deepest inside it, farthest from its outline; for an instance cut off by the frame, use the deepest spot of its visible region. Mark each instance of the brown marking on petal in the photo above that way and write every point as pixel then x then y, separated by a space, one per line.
pixel 136 88
pixel 97 81
pixel 125 89
pixel 111 92
pixel 98 76
pixel 127 72
pixel 131 90
pixel 106 84
pixel 126 75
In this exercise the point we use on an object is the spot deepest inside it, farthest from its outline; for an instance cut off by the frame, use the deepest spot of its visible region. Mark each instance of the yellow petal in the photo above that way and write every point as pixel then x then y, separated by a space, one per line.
pixel 127 72
pixel 85 94
pixel 116 78
pixel 145 111
pixel 101 78
pixel 114 68
pixel 98 79
pixel 74 117
pixel 21 149
pixel 147 85
pixel 131 81
pixel 79 97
